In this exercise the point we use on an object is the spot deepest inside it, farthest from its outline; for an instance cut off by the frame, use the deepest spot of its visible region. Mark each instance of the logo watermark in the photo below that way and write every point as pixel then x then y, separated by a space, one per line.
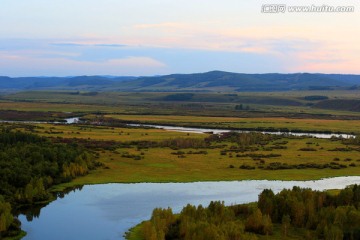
pixel 283 8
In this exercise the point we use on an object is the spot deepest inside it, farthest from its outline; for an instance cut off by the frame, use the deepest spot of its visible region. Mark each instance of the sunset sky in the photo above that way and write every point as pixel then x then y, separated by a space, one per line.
pixel 154 37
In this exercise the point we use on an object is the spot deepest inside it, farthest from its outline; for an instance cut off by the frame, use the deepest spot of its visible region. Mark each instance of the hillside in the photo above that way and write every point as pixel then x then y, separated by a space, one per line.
pixel 210 81
pixel 59 83
pixel 217 80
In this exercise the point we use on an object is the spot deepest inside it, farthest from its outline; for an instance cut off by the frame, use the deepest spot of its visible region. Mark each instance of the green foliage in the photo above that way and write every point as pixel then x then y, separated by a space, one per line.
pixel 259 223
pixel 266 202
pixel 317 215
pixel 198 223
pixel 243 139
pixel 29 165
pixel 242 107
pixel 6 217
pixel 352 141
pixel 176 143
pixel 285 225
pixel 333 217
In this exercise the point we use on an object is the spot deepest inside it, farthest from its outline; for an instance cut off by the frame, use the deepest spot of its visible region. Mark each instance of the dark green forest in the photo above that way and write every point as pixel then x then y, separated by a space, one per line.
pixel 29 166
pixel 317 215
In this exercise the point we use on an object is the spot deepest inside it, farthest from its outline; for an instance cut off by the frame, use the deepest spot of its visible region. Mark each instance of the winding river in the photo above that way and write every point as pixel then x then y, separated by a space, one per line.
pixel 106 212
pixel 217 131
pixel 200 130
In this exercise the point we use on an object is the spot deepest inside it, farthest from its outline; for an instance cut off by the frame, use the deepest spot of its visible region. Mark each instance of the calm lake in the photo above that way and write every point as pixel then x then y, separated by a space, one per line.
pixel 106 212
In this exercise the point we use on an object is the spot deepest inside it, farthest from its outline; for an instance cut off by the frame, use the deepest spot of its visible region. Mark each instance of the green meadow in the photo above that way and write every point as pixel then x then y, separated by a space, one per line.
pixel 136 154
pixel 125 160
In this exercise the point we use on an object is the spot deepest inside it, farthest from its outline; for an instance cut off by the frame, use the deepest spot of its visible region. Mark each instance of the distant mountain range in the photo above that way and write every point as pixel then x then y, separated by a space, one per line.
pixel 210 81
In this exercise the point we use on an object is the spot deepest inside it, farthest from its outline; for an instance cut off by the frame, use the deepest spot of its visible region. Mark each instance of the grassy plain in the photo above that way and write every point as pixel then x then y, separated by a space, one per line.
pixel 280 110
pixel 160 165
pixel 273 110
pixel 163 164
pixel 55 107
pixel 205 104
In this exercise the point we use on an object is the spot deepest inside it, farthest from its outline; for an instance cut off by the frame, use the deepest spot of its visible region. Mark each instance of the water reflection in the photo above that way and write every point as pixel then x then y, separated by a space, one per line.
pixel 33 211
pixel 62 194
pixel 108 211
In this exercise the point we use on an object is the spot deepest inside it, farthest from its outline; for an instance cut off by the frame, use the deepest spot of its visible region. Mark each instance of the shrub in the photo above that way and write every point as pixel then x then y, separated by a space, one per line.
pixel 307 149
pixel 247 167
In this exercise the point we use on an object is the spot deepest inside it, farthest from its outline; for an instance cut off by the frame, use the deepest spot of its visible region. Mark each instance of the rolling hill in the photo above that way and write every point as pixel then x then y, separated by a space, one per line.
pixel 203 82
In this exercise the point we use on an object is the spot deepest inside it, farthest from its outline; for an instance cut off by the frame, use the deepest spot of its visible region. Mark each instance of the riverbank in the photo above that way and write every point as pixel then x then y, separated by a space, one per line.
pixel 295 213
pixel 270 124
pixel 286 132
pixel 285 176
pixel 115 208
pixel 18 237
pixel 133 155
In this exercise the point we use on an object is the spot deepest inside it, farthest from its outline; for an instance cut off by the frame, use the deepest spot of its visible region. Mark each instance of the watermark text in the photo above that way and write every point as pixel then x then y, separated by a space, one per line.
pixel 283 8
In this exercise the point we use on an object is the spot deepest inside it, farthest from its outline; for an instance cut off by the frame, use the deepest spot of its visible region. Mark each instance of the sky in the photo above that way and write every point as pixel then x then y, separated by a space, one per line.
pixel 157 37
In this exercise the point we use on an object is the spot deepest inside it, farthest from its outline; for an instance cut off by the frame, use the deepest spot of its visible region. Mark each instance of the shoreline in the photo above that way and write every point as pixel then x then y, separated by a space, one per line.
pixel 62 188
pixel 276 186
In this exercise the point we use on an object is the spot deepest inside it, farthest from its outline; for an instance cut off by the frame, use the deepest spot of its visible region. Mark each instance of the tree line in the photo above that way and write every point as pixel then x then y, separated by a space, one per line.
pixel 30 165
pixel 312 214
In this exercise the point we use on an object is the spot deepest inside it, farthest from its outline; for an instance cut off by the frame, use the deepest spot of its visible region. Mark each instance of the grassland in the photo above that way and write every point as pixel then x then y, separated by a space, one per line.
pixel 271 111
pixel 55 107
pixel 164 164
pixel 160 165
pixel 203 104
pixel 266 111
